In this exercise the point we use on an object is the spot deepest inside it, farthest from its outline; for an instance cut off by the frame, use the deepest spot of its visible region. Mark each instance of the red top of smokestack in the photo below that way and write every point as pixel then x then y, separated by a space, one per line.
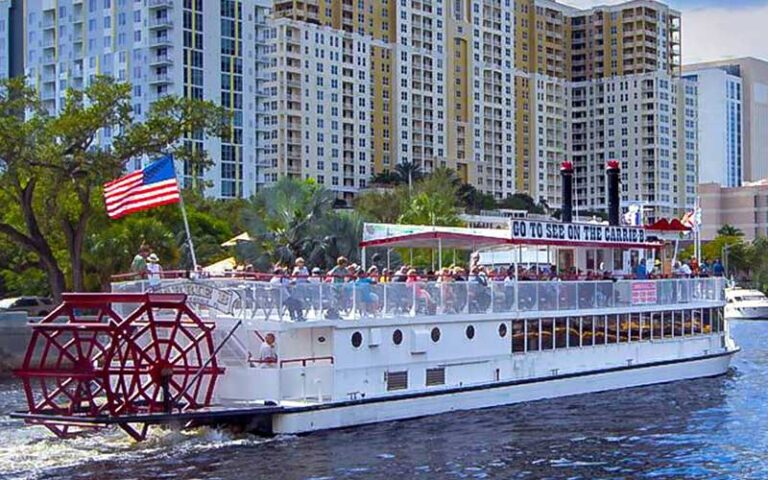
pixel 612 165
pixel 566 166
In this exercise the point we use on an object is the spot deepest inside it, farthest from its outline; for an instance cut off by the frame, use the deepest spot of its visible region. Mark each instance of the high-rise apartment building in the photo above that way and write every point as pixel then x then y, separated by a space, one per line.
pixel 362 86
pixel 721 151
pixel 5 38
pixel 193 48
pixel 600 84
pixel 754 77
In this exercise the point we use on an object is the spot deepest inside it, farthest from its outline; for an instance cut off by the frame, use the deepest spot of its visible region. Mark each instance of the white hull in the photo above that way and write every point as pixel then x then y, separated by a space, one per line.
pixel 347 414
pixel 752 313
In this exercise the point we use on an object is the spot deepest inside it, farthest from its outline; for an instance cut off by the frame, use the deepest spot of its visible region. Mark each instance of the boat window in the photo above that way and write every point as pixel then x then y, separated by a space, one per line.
pixel 600 327
pixel 688 322
pixel 613 328
pixel 470 332
pixel 518 336
pixel 719 320
pixel 435 376
pixel 502 330
pixel 587 331
pixel 321 339
pixel 656 325
pixel 623 327
pixel 667 325
pixel 707 321
pixel 696 321
pixel 435 334
pixel 547 334
pixel 574 331
pixel 678 316
pixel 645 326
pixel 357 339
pixel 561 331
pixel 532 333
pixel 634 326
pixel 397 337
pixel 396 380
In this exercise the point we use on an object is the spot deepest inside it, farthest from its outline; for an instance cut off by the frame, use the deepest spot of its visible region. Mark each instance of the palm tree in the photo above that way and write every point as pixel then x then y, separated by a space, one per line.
pixel 386 178
pixel 409 172
pixel 730 231
pixel 284 218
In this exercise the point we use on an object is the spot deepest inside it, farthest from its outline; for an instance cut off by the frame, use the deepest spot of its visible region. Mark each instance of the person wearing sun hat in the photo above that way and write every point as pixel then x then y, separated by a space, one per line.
pixel 154 271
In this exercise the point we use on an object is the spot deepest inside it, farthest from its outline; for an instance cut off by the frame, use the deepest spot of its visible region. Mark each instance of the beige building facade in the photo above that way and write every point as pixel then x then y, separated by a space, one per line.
pixel 602 84
pixel 745 208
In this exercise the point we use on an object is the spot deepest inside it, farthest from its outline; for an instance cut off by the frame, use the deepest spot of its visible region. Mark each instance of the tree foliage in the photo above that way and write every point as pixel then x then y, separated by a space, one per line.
pixel 52 167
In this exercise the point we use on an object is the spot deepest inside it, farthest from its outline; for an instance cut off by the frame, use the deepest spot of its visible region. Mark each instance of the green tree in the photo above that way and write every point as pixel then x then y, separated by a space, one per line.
pixel 283 219
pixel 522 201
pixel 52 167
pixel 381 206
pixel 408 173
pixel 428 209
pixel 730 231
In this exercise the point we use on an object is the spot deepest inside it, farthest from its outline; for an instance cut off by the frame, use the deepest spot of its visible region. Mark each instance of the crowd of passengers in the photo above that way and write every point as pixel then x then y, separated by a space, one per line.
pixel 425 290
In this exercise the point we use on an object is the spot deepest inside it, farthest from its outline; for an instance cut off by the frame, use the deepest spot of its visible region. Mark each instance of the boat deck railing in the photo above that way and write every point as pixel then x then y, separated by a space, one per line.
pixel 301 301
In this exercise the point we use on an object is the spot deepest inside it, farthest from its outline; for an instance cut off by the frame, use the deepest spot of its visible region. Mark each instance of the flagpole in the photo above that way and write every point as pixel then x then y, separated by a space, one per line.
pixel 189 234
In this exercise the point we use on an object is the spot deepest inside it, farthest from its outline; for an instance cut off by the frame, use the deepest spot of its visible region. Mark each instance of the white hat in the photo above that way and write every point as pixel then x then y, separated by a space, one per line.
pixel 153 258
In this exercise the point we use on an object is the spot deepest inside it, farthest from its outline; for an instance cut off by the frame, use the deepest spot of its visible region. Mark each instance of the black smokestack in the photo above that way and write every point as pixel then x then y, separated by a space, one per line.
pixel 614 208
pixel 566 176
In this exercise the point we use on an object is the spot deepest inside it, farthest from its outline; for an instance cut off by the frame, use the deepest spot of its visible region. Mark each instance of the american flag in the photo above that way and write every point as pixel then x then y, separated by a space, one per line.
pixel 143 189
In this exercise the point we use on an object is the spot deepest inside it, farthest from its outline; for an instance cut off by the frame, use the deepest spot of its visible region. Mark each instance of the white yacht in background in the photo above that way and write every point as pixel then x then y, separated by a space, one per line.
pixel 745 304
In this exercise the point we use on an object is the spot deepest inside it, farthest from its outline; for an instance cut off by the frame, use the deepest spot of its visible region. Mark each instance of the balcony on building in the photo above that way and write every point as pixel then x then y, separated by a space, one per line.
pixel 160 22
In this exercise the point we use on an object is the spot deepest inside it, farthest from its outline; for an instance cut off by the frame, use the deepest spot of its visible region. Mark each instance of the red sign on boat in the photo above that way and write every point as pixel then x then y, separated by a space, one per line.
pixel 643 293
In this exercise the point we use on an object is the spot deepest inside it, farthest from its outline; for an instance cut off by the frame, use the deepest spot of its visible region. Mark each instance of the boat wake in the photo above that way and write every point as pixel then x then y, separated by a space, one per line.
pixel 36 453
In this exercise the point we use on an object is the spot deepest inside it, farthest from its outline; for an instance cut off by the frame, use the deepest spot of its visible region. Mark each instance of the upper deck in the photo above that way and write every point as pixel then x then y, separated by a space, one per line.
pixel 305 300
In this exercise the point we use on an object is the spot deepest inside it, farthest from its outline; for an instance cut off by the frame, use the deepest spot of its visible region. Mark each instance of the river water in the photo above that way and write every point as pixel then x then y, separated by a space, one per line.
pixel 709 428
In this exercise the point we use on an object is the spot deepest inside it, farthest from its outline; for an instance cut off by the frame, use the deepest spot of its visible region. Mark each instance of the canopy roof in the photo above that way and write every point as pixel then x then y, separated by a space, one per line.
pixel 421 236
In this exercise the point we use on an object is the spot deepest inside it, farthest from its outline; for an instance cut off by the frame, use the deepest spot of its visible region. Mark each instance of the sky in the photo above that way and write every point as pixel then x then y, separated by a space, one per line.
pixel 715 29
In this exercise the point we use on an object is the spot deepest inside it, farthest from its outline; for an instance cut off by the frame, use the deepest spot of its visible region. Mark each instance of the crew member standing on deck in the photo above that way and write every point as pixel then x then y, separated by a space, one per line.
pixel 268 351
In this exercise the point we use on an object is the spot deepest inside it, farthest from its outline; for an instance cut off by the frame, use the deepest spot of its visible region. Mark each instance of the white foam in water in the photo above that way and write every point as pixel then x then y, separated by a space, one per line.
pixel 34 450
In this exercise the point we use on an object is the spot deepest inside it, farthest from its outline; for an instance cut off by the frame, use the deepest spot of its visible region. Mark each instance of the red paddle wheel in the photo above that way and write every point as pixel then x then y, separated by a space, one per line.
pixel 101 359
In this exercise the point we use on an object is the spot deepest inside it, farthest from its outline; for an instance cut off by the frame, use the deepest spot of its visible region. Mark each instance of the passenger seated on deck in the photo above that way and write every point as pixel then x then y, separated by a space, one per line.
pixel 424 303
pixel 268 352
pixel 285 291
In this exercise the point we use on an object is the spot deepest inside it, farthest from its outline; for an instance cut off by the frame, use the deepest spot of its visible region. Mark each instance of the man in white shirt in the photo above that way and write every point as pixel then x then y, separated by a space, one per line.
pixel 268 352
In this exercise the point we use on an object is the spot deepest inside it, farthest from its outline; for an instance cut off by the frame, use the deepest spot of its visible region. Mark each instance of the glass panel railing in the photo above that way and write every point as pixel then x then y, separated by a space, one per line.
pixel 302 301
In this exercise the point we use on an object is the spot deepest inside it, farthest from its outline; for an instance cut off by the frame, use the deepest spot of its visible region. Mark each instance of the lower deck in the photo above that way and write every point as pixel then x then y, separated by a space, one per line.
pixel 346 361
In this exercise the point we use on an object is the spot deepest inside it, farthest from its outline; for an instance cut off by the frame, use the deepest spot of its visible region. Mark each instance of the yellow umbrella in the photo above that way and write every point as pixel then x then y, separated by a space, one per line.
pixel 232 242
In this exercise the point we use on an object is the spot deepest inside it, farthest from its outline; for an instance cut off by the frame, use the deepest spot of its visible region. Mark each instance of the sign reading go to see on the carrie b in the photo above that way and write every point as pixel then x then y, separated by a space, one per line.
pixel 575 232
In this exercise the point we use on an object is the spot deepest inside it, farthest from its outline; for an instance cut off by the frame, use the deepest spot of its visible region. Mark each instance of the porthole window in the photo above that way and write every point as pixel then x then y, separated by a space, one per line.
pixel 320 339
pixel 357 339
pixel 435 335
pixel 397 337
pixel 470 332
pixel 502 330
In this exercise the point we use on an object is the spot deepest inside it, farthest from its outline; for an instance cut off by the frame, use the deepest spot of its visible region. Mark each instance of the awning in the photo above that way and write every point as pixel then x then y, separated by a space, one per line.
pixel 447 240
pixel 232 242
pixel 465 241
pixel 228 264
pixel 665 225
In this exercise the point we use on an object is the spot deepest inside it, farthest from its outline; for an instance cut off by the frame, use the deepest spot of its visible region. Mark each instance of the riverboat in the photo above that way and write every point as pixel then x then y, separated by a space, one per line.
pixel 299 357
